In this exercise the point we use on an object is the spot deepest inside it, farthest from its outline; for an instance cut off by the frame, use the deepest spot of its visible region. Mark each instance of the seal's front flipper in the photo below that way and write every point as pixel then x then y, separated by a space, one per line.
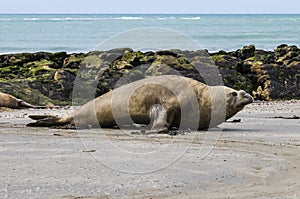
pixel 160 119
pixel 39 117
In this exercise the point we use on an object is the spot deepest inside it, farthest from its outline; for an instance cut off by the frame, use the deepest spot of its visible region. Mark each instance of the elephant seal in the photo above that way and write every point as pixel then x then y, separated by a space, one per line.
pixel 162 102
pixel 10 101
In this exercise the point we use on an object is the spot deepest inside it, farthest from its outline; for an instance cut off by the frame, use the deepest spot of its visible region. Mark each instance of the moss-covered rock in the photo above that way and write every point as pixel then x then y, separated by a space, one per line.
pixel 245 52
pixel 45 78
pixel 226 61
pixel 236 80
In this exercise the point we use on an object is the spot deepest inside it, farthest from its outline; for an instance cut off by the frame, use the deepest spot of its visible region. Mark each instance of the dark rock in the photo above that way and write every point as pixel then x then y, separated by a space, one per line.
pixel 110 57
pixel 245 52
pixel 276 81
pixel 236 80
pixel 226 61
pixel 281 50
pixel 73 60
pixel 222 52
pixel 49 78
pixel 166 52
pixel 120 50
pixel 294 64
pixel 132 58
pixel 266 57
pixel 66 81
pixel 122 65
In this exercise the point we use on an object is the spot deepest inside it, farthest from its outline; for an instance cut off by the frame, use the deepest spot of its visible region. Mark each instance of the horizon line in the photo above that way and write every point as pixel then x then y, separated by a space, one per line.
pixel 116 13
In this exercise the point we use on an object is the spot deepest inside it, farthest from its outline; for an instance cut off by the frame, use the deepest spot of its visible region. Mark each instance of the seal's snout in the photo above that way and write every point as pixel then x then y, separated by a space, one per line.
pixel 244 99
pixel 248 97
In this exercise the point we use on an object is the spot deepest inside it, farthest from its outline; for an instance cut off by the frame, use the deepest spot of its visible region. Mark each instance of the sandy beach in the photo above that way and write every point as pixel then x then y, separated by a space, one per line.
pixel 257 156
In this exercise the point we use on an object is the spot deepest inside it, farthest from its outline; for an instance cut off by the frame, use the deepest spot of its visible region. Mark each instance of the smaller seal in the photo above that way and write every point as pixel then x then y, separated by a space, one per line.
pixel 10 101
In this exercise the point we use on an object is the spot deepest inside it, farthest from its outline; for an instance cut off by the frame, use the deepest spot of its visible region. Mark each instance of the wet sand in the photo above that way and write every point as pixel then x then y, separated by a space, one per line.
pixel 258 157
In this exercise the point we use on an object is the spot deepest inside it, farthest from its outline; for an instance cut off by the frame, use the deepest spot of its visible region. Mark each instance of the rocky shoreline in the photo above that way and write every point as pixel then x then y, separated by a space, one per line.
pixel 45 78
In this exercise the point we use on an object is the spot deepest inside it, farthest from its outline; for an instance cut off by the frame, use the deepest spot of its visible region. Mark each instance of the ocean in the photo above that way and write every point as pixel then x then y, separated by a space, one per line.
pixel 84 32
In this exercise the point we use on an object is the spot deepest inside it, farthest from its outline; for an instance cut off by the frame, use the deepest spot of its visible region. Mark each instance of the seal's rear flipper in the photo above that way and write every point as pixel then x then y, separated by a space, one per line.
pixel 45 121
pixel 23 104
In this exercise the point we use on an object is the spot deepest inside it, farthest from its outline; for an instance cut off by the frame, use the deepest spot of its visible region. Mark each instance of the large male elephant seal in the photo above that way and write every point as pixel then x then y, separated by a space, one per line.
pixel 162 101
pixel 10 101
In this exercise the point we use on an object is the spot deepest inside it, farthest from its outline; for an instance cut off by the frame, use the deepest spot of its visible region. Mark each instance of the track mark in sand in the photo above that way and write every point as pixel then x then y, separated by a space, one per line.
pixel 294 117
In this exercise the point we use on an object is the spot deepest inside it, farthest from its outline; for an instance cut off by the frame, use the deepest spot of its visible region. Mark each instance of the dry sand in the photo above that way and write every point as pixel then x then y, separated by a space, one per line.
pixel 258 157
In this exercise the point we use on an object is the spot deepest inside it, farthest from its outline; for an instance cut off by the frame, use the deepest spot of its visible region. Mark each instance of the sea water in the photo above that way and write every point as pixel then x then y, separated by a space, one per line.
pixel 83 32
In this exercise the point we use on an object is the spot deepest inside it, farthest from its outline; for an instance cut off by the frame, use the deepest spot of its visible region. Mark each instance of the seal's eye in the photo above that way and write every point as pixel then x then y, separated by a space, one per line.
pixel 234 94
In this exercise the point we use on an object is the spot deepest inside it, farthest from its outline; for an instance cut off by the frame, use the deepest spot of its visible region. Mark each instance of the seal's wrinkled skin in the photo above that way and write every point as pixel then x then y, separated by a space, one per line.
pixel 10 101
pixel 162 101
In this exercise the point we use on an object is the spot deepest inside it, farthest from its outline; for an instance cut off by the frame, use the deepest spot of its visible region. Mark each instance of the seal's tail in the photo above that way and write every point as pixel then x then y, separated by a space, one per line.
pixel 47 120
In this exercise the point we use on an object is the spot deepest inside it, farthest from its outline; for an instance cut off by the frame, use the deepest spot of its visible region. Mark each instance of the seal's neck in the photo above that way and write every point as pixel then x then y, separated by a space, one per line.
pixel 230 112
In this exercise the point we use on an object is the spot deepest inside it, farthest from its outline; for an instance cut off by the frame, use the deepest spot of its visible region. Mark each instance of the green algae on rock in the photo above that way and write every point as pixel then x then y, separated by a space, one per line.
pixel 45 78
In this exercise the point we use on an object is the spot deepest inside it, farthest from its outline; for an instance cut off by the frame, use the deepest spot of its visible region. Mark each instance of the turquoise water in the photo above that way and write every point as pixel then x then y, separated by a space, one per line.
pixel 82 33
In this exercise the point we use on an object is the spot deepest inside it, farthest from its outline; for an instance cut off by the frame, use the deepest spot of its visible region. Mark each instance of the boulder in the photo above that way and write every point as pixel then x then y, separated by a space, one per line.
pixel 245 52
pixel 226 61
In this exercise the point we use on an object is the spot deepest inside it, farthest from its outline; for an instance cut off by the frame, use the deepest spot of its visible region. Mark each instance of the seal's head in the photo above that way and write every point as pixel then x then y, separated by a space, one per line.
pixel 236 100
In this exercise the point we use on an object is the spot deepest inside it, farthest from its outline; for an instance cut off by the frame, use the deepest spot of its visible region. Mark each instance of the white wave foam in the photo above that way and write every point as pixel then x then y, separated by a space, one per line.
pixel 190 18
pixel 5 19
pixel 165 18
pixel 101 18
pixel 31 19
pixel 61 19
pixel 82 19
pixel 129 18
